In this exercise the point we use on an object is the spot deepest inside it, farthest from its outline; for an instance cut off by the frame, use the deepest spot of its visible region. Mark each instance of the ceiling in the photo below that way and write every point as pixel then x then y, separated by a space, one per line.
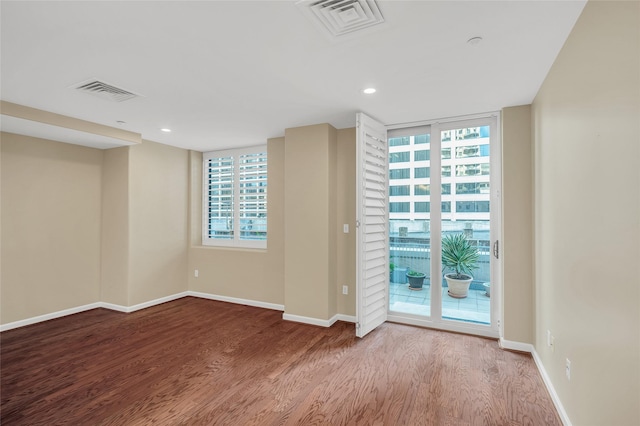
pixel 224 74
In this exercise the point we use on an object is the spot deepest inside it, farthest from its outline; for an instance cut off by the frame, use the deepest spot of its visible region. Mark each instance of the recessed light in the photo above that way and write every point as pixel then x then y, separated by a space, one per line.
pixel 369 91
pixel 166 130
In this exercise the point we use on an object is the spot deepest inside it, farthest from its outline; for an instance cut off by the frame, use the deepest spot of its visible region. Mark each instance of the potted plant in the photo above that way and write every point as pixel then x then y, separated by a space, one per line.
pixel 460 257
pixel 416 279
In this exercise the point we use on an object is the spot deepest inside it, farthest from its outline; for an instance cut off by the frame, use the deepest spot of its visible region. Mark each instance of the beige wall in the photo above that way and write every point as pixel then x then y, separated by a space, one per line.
pixel 241 273
pixel 517 224
pixel 50 226
pixel 587 214
pixel 346 214
pixel 309 236
pixel 114 283
pixel 158 217
pixel 323 160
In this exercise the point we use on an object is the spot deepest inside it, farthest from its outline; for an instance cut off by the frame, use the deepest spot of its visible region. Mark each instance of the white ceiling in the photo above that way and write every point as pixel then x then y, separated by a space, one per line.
pixel 222 74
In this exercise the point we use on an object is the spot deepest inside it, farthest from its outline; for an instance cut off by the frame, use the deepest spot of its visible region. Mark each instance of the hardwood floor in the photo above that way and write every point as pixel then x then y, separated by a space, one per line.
pixel 194 361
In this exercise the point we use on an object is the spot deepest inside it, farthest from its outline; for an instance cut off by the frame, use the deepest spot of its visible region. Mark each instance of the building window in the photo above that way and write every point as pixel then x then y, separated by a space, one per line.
pixel 399 190
pixel 446 207
pixel 422 206
pixel 472 188
pixel 399 207
pixel 422 189
pixel 446 153
pixel 472 169
pixel 422 155
pixel 472 151
pixel 420 139
pixel 446 189
pixel 399 157
pixel 472 206
pixel 399 141
pixel 399 173
pixel 235 198
pixel 422 172
pixel 446 171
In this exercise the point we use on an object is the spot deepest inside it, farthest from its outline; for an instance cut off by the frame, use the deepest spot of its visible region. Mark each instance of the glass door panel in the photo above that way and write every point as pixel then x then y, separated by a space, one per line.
pixel 409 220
pixel 465 226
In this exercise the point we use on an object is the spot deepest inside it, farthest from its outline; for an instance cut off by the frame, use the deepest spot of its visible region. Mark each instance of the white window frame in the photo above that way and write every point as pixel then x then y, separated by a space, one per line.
pixel 235 241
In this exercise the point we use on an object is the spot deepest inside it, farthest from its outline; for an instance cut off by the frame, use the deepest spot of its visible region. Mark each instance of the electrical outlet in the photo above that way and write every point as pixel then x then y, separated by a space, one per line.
pixel 345 289
pixel 195 273
pixel 567 369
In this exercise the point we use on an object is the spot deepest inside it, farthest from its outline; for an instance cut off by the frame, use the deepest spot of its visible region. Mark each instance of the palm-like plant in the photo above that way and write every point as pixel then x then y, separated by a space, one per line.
pixel 459 255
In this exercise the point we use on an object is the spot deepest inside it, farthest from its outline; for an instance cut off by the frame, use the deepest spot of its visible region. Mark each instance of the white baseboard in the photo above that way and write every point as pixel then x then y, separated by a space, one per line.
pixel 346 318
pixel 516 346
pixel 527 347
pixel 47 317
pixel 552 391
pixel 308 320
pixel 248 302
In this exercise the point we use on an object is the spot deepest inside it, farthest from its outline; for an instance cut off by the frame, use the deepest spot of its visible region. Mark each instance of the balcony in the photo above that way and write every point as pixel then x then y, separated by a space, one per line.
pixel 474 308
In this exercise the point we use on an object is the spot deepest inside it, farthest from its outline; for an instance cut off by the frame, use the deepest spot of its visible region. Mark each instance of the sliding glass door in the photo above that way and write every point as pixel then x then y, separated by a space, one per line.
pixel 444 181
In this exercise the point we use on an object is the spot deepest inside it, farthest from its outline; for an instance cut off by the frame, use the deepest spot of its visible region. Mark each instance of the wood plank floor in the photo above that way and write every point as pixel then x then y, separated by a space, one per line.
pixel 195 361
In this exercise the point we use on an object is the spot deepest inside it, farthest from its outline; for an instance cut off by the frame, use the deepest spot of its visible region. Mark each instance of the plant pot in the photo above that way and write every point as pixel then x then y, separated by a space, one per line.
pixel 458 288
pixel 487 288
pixel 416 281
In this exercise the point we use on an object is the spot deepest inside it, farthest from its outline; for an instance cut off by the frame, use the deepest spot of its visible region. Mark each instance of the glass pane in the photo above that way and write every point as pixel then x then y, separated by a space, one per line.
pixel 409 240
pixel 220 198
pixel 253 196
pixel 465 227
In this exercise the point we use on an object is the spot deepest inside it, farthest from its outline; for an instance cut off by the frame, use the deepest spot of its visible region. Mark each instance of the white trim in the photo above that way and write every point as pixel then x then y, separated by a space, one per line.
pixel 47 317
pixel 515 346
pixel 345 318
pixel 139 306
pixel 156 302
pixel 449 325
pixel 236 300
pixel 309 320
pixel 564 417
pixel 529 348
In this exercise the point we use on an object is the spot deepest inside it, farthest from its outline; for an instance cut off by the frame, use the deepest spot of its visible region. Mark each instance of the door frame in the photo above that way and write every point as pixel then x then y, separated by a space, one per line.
pixel 435 319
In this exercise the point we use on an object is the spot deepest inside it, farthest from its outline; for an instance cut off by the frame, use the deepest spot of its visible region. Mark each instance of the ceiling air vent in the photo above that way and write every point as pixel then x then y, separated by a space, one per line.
pixel 105 91
pixel 342 17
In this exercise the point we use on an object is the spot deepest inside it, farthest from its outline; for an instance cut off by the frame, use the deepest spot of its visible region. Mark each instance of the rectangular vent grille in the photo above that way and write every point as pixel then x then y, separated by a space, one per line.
pixel 341 17
pixel 105 91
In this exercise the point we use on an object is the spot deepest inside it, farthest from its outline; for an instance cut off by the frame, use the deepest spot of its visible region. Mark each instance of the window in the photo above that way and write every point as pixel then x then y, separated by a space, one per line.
pixel 418 139
pixel 446 189
pixel 472 206
pixel 399 207
pixel 472 188
pixel 399 141
pixel 472 151
pixel 422 189
pixel 399 173
pixel 472 169
pixel 446 206
pixel 422 155
pixel 446 153
pixel 235 198
pixel 399 190
pixel 422 172
pixel 421 206
pixel 446 171
pixel 399 157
